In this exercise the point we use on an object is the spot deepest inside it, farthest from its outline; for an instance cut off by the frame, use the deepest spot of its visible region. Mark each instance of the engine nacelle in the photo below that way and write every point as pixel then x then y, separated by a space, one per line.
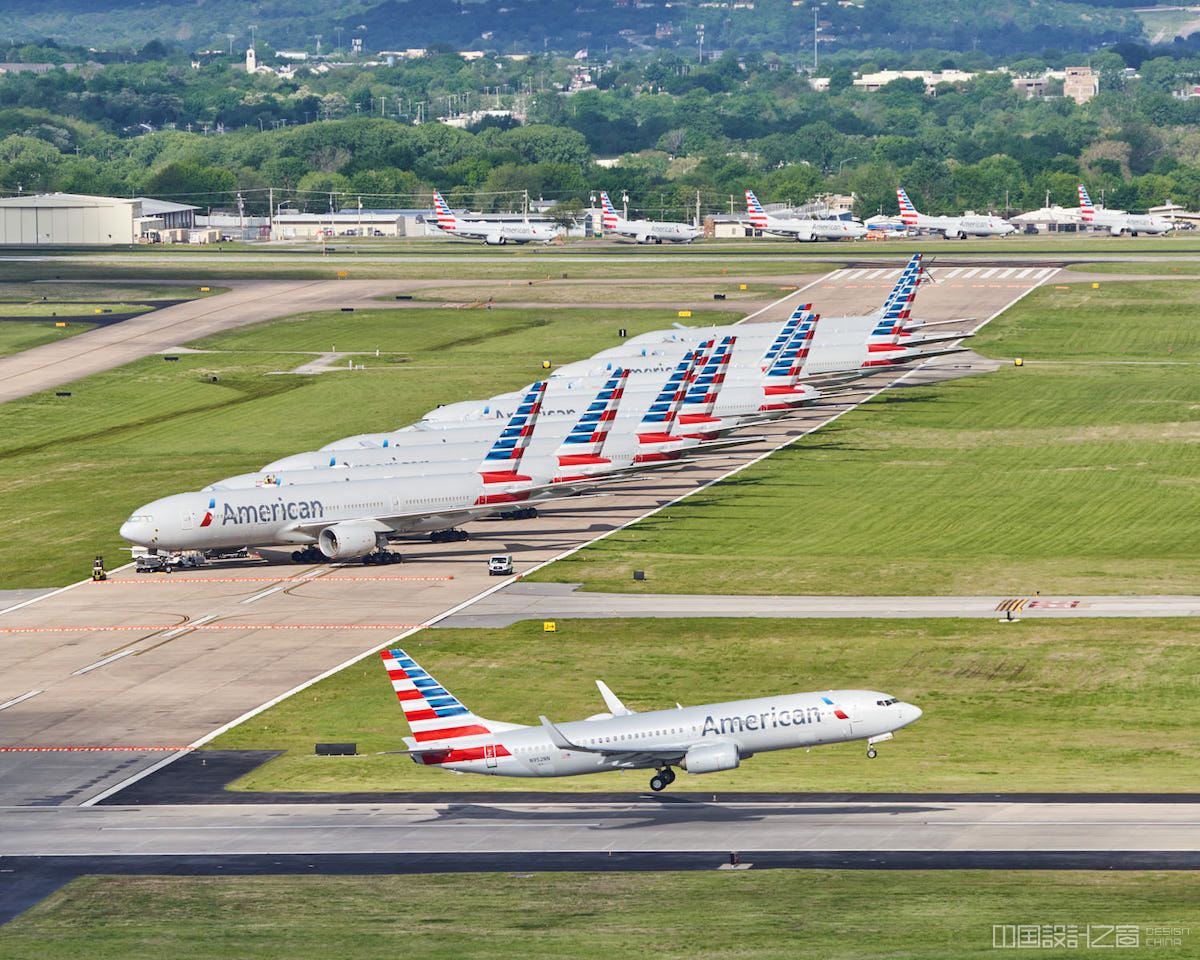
pixel 711 757
pixel 344 541
pixel 809 237
pixel 495 240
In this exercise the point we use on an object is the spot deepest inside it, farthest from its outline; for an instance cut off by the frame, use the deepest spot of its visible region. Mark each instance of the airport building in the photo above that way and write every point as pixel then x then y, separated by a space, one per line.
pixel 68 219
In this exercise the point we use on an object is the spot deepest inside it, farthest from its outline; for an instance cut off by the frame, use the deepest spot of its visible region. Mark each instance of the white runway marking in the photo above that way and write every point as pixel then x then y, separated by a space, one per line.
pixel 988 273
pixel 953 273
pixel 970 273
pixel 1026 272
pixel 21 699
pixel 101 663
pixel 1005 273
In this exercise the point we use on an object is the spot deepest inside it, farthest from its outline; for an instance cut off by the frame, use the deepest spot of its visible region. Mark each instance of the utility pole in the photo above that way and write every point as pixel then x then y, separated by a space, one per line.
pixel 815 28
pixel 526 194
pixel 241 216
pixel 270 213
pixel 697 208
pixel 625 204
pixel 230 37
pixel 253 34
pixel 359 228
pixel 700 43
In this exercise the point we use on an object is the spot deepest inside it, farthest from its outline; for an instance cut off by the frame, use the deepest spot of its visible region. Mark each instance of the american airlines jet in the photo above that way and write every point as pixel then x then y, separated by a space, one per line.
pixel 703 739
pixel 644 231
pixel 492 232
pixel 952 228
pixel 1118 221
pixel 348 519
pixel 801 228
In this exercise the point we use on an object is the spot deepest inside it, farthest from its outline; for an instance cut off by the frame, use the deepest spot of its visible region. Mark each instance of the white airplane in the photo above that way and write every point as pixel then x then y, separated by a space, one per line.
pixel 952 228
pixel 492 232
pixel 644 231
pixel 703 739
pixel 348 519
pixel 801 228
pixel 1118 221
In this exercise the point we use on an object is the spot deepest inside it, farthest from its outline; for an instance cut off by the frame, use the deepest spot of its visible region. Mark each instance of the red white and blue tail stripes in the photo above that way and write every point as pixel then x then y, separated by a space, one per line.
pixel 587 437
pixel 785 334
pixel 608 213
pixel 704 389
pixel 445 216
pixel 758 216
pixel 908 213
pixel 666 405
pixel 898 303
pixel 514 438
pixel 1085 204
pixel 787 364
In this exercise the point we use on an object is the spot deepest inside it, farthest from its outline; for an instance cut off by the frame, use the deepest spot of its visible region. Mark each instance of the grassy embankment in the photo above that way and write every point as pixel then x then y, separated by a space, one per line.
pixel 750 915
pixel 1037 705
pixel 1077 473
pixel 71 469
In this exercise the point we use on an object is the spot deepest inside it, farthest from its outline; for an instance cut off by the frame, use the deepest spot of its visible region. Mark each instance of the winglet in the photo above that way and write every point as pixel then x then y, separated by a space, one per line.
pixel 612 701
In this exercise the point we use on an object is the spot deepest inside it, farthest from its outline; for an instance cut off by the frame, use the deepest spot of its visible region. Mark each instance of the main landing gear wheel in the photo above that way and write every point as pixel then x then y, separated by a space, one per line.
pixel 871 753
pixel 308 555
pixel 382 557
pixel 658 782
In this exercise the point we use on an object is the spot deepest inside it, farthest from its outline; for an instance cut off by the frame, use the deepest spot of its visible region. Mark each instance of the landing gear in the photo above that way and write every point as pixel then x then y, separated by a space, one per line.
pixel 308 555
pixel 521 513
pixel 663 779
pixel 382 557
pixel 871 753
pixel 447 536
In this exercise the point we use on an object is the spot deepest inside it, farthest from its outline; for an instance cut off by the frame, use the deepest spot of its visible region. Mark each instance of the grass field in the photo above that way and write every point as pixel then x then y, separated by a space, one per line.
pixel 18 335
pixel 1077 473
pixel 685 295
pixel 39 308
pixel 1037 705
pixel 14 290
pixel 764 915
pixel 1164 268
pixel 72 469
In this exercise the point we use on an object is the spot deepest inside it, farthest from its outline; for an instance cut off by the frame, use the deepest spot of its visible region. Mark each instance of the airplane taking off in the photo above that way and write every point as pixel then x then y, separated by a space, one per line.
pixel 702 739
pixel 801 228
pixel 952 228
pixel 644 231
pixel 492 232
pixel 1118 221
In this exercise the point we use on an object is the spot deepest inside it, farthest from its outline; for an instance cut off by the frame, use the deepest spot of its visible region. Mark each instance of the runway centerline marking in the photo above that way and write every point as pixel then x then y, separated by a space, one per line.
pixel 101 663
pixel 21 699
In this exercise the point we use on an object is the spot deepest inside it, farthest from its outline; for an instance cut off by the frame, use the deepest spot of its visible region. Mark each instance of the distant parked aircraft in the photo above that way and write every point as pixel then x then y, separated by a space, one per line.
pixel 494 232
pixel 952 228
pixel 1118 221
pixel 644 231
pixel 703 739
pixel 801 228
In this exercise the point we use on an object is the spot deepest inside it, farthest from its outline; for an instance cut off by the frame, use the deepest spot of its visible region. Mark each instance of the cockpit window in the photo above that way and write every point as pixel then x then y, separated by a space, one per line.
pixel 887 703
pixel 142 518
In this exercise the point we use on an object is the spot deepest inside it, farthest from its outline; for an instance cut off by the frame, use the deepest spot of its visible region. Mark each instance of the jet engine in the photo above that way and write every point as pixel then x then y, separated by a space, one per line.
pixel 343 541
pixel 711 757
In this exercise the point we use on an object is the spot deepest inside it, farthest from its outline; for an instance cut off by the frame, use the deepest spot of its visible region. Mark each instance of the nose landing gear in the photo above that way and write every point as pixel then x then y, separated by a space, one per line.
pixel 663 779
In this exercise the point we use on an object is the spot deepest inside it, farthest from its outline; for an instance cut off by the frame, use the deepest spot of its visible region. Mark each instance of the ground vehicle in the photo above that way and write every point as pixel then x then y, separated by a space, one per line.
pixel 500 565
pixel 150 563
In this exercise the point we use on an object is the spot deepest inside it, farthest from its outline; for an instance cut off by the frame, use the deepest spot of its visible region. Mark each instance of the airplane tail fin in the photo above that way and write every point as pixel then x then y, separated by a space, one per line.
pixel 439 721
pixel 445 216
pixel 790 361
pixel 758 216
pixel 898 306
pixel 785 334
pixel 1086 210
pixel 505 455
pixel 908 213
pixel 609 216
pixel 665 407
pixel 585 442
pixel 705 388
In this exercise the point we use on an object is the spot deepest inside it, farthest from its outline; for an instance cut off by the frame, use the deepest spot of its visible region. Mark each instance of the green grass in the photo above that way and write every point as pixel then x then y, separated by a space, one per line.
pixel 1077 473
pixel 39 309
pixel 18 335
pixel 1035 705
pixel 1164 268
pixel 748 915
pixel 685 295
pixel 150 429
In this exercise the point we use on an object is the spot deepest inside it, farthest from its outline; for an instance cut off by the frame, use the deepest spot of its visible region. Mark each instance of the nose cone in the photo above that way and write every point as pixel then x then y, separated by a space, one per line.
pixel 136 531
pixel 909 713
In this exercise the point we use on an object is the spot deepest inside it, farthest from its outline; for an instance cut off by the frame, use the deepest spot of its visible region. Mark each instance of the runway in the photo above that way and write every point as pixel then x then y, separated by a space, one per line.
pixel 546 601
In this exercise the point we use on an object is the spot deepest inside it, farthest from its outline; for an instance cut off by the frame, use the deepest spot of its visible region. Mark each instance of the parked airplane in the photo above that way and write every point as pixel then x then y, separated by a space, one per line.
pixel 494 232
pixel 702 739
pixel 347 519
pixel 952 228
pixel 1118 221
pixel 801 228
pixel 644 231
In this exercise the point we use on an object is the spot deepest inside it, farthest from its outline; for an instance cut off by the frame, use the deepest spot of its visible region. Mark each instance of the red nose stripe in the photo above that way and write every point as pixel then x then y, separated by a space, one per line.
pixel 840 715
